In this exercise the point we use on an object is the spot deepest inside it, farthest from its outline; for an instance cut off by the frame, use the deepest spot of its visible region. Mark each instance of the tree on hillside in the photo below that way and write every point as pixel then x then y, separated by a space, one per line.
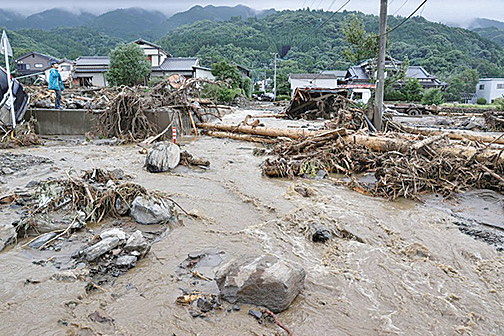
pixel 361 45
pixel 128 65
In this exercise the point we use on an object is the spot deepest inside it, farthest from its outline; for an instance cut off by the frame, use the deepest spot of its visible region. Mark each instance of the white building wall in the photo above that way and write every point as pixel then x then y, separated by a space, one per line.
pixel 202 73
pixel 490 89
pixel 322 83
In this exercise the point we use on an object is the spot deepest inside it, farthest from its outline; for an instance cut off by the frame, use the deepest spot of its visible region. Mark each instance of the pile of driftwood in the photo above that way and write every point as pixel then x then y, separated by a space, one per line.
pixel 127 114
pixel 403 164
pixel 315 103
pixel 494 120
pixel 72 98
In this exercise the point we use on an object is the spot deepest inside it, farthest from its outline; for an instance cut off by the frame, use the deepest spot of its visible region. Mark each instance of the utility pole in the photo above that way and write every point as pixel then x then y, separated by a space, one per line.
pixel 380 83
pixel 274 76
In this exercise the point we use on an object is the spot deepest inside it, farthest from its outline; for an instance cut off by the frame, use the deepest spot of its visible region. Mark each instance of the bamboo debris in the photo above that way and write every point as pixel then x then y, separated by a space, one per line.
pixel 455 135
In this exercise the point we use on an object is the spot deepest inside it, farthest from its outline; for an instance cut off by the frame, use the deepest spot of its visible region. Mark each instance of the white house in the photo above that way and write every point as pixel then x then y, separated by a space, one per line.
pixel 490 89
pixel 156 54
pixel 90 71
pixel 65 68
pixel 322 80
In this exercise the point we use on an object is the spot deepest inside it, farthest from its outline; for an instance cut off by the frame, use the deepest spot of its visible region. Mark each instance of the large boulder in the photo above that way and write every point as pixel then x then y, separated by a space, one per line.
pixel 164 156
pixel 150 211
pixel 262 281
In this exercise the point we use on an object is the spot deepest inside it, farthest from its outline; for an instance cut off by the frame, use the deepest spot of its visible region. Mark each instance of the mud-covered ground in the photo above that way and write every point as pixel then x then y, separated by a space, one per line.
pixel 398 268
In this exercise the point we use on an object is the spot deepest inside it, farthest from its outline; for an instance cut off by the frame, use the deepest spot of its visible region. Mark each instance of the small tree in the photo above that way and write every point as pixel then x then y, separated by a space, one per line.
pixel 228 73
pixel 481 101
pixel 413 90
pixel 433 96
pixel 128 65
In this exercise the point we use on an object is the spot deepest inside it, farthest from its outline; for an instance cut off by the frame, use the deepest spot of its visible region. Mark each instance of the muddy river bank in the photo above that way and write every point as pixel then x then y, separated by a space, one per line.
pixel 400 268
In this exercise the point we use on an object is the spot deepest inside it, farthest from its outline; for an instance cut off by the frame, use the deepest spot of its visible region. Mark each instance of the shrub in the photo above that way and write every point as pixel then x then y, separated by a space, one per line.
pixel 481 101
pixel 283 97
pixel 128 65
pixel 433 96
pixel 220 94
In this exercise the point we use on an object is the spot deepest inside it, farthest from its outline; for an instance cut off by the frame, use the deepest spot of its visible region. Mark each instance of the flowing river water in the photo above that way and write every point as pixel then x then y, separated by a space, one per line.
pixel 395 268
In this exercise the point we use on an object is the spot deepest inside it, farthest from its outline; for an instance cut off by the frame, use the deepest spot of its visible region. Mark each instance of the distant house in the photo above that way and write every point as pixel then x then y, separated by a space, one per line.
pixel 90 71
pixel 320 80
pixel 244 71
pixel 490 89
pixel 363 74
pixel 33 62
pixel 156 54
pixel 187 66
pixel 65 68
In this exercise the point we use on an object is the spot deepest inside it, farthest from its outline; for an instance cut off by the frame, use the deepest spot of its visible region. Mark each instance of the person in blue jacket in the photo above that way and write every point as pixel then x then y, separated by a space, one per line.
pixel 56 84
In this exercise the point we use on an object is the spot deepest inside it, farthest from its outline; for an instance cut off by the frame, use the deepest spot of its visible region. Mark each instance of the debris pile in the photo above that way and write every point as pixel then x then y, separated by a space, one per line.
pixel 314 103
pixel 494 120
pixel 72 98
pixel 24 136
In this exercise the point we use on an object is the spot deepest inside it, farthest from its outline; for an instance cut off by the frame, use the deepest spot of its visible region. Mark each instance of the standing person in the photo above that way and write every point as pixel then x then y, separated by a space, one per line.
pixel 56 84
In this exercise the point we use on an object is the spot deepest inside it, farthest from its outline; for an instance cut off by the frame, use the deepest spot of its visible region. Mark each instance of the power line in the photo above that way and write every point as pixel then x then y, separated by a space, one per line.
pixel 406 19
pixel 320 3
pixel 304 3
pixel 313 2
pixel 404 3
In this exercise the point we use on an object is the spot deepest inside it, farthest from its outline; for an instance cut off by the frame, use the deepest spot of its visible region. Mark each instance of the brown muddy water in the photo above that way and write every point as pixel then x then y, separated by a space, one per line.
pixel 394 268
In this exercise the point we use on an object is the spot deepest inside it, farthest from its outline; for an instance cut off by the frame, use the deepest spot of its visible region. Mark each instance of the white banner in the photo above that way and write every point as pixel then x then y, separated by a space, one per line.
pixel 5 45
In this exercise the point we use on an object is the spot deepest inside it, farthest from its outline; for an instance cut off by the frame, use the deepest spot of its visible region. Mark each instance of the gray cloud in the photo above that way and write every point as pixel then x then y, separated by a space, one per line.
pixel 460 11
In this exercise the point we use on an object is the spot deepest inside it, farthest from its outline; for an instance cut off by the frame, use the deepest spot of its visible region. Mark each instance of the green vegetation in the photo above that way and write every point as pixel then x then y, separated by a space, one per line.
pixel 481 101
pixel 128 65
pixel 433 97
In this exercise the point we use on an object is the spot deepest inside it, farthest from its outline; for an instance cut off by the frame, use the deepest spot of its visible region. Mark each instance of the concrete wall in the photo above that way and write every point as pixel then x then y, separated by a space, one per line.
pixel 490 89
pixel 79 122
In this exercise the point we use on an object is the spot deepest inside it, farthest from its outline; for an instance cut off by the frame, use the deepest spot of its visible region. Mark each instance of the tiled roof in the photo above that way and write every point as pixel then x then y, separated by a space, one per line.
pixel 174 64
pixel 313 76
pixel 92 61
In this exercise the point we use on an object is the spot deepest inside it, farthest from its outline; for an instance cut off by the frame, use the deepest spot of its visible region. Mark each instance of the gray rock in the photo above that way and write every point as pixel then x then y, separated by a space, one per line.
pixel 42 240
pixel 8 235
pixel 121 207
pixel 113 233
pixel 164 156
pixel 262 281
pixel 136 242
pixel 152 211
pixel 101 248
pixel 118 173
pixel 126 261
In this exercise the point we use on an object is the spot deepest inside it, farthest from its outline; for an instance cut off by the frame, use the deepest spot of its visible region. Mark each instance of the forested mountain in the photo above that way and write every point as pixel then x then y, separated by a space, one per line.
pixel 48 19
pixel 442 50
pixel 485 23
pixel 212 13
pixel 128 23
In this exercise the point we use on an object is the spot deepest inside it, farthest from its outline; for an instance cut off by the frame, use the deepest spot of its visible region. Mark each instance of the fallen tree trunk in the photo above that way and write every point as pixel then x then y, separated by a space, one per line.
pixel 243 137
pixel 271 132
pixel 456 135
pixel 382 144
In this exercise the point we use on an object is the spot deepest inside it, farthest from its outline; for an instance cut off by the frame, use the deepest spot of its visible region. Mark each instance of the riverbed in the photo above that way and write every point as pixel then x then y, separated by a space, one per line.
pixel 394 268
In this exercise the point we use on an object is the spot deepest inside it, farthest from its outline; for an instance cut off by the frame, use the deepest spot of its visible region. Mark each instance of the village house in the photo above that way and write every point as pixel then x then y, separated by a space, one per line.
pixel 365 73
pixel 90 71
pixel 186 66
pixel 490 89
pixel 33 62
pixel 326 79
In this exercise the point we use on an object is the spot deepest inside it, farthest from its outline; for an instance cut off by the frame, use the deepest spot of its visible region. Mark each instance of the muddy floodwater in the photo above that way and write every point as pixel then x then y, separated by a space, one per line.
pixel 393 268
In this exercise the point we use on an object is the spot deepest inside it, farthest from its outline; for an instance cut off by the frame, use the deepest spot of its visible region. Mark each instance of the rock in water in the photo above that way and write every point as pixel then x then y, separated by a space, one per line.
pixel 126 261
pixel 101 248
pixel 136 242
pixel 42 240
pixel 262 280
pixel 164 156
pixel 150 211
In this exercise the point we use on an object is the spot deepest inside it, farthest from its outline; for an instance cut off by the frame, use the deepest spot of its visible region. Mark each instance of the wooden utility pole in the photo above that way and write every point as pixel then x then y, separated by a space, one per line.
pixel 380 82
pixel 275 76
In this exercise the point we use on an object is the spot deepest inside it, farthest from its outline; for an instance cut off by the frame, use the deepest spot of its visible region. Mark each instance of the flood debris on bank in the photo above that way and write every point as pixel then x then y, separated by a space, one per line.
pixel 97 216
pixel 402 163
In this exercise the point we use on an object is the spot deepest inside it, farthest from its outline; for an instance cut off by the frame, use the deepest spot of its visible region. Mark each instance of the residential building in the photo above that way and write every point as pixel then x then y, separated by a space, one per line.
pixel 365 73
pixel 186 66
pixel 156 54
pixel 90 71
pixel 321 80
pixel 33 63
pixel 490 89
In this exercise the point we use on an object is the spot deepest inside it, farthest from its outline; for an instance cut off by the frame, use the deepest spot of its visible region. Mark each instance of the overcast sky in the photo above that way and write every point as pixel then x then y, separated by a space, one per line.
pixel 446 11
